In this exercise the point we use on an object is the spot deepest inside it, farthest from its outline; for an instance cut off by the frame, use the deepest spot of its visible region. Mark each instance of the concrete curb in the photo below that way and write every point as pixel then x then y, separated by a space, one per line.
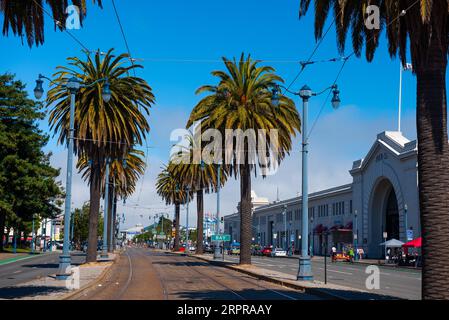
pixel 94 283
pixel 368 263
pixel 313 291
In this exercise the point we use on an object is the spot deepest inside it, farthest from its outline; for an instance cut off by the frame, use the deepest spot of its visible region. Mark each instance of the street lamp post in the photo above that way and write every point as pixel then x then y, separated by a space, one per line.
pixel 73 230
pixel 305 268
pixel 104 251
pixel 33 243
pixel 217 255
pixel 51 235
pixel 187 219
pixel 356 234
pixel 44 231
pixel 311 236
pixel 284 212
pixel 73 85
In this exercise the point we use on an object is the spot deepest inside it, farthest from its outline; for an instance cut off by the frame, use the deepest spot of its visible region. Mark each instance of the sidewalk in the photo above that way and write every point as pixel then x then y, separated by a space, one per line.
pixel 48 288
pixel 378 262
pixel 317 288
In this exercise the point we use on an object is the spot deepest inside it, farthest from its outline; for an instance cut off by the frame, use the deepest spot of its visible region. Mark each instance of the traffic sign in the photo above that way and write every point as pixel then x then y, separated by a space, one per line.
pixel 221 237
pixel 409 235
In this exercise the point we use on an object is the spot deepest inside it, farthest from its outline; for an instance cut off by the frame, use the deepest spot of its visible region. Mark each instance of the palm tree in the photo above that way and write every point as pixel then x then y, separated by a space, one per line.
pixel 26 18
pixel 242 100
pixel 172 189
pixel 123 177
pixel 200 178
pixel 425 26
pixel 101 129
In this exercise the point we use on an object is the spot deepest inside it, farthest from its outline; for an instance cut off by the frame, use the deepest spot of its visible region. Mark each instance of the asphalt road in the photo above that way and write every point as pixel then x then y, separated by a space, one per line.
pixel 401 283
pixel 30 269
pixel 143 274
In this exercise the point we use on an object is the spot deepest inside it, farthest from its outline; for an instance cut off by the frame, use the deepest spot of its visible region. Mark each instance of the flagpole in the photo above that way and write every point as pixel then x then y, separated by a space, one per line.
pixel 400 96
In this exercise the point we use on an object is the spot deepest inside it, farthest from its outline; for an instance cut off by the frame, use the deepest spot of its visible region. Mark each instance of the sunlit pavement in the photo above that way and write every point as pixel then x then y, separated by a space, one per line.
pixel 401 283
pixel 144 274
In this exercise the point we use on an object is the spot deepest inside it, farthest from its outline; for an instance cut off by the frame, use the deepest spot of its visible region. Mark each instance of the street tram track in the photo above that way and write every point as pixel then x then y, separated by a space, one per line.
pixel 241 278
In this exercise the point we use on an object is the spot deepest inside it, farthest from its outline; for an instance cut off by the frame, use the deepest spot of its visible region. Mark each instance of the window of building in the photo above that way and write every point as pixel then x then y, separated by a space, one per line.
pixel 297 214
pixel 289 216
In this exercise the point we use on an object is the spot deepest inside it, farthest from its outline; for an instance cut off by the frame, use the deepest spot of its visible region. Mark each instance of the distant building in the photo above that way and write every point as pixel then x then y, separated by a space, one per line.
pixel 232 222
pixel 133 231
pixel 381 200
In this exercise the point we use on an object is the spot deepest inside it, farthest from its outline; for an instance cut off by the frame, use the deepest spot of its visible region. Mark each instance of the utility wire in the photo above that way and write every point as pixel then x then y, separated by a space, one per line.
pixel 347 58
pixel 309 60
pixel 60 24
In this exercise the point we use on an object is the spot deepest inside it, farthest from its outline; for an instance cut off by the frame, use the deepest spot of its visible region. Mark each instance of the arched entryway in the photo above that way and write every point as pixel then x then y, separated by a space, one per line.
pixel 383 217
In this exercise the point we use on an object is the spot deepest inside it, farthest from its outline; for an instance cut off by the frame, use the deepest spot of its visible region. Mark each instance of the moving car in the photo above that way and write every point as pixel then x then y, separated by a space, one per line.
pixel 208 249
pixel 278 252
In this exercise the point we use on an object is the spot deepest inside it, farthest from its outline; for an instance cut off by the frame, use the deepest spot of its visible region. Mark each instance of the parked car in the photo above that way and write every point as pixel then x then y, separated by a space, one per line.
pixel 278 252
pixel 208 249
pixel 267 251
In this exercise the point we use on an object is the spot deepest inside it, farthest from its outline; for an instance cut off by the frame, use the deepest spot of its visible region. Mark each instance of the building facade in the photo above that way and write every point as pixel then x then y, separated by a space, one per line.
pixel 380 203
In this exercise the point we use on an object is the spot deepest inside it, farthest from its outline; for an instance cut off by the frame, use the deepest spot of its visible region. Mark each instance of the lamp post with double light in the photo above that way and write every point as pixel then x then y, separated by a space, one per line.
pixel 305 267
pixel 217 253
pixel 73 85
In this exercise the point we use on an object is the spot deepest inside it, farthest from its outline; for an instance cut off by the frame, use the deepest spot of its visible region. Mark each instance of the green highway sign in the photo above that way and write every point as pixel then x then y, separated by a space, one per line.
pixel 221 237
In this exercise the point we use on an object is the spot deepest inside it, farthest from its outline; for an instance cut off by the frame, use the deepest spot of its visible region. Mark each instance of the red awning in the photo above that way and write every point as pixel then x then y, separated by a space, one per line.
pixel 413 244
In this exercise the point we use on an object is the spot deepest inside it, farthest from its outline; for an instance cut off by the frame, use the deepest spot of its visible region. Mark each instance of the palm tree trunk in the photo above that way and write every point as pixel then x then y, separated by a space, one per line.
pixel 245 214
pixel 200 219
pixel 433 171
pixel 95 195
pixel 178 222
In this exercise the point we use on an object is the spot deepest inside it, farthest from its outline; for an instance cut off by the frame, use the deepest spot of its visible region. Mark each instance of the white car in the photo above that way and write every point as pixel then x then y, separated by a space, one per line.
pixel 278 252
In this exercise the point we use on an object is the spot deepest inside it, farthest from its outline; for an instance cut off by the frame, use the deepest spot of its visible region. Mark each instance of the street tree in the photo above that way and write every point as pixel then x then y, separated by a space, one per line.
pixel 103 130
pixel 28 183
pixel 26 19
pixel 419 28
pixel 242 100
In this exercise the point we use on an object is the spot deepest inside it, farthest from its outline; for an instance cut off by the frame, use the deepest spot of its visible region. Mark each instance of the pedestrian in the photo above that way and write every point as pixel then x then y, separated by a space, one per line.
pixel 351 255
pixel 333 253
pixel 360 252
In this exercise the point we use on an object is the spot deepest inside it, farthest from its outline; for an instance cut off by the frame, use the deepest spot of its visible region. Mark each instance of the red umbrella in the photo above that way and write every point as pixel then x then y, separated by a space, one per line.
pixel 413 244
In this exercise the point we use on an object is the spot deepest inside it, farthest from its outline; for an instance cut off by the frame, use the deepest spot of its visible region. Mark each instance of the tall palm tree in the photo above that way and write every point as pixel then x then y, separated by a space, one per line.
pixel 172 189
pixel 200 177
pixel 101 129
pixel 123 177
pixel 242 100
pixel 425 26
pixel 26 18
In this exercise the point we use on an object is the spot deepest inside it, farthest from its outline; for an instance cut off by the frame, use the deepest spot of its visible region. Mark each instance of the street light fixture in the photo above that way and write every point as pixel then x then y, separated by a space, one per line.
pixel 305 267
pixel 72 85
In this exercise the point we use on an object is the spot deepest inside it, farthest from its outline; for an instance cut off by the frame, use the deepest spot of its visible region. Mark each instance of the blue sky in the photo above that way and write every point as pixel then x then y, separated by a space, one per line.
pixel 181 42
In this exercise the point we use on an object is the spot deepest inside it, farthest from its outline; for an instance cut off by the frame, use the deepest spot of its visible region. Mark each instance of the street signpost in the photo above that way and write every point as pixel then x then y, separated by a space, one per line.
pixel 221 237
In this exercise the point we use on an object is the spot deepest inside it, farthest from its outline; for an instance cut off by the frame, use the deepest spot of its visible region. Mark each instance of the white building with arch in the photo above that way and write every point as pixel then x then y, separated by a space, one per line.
pixel 381 200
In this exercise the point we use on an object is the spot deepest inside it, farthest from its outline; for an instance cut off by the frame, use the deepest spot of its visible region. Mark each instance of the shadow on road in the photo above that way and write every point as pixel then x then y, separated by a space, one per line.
pixel 27 292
